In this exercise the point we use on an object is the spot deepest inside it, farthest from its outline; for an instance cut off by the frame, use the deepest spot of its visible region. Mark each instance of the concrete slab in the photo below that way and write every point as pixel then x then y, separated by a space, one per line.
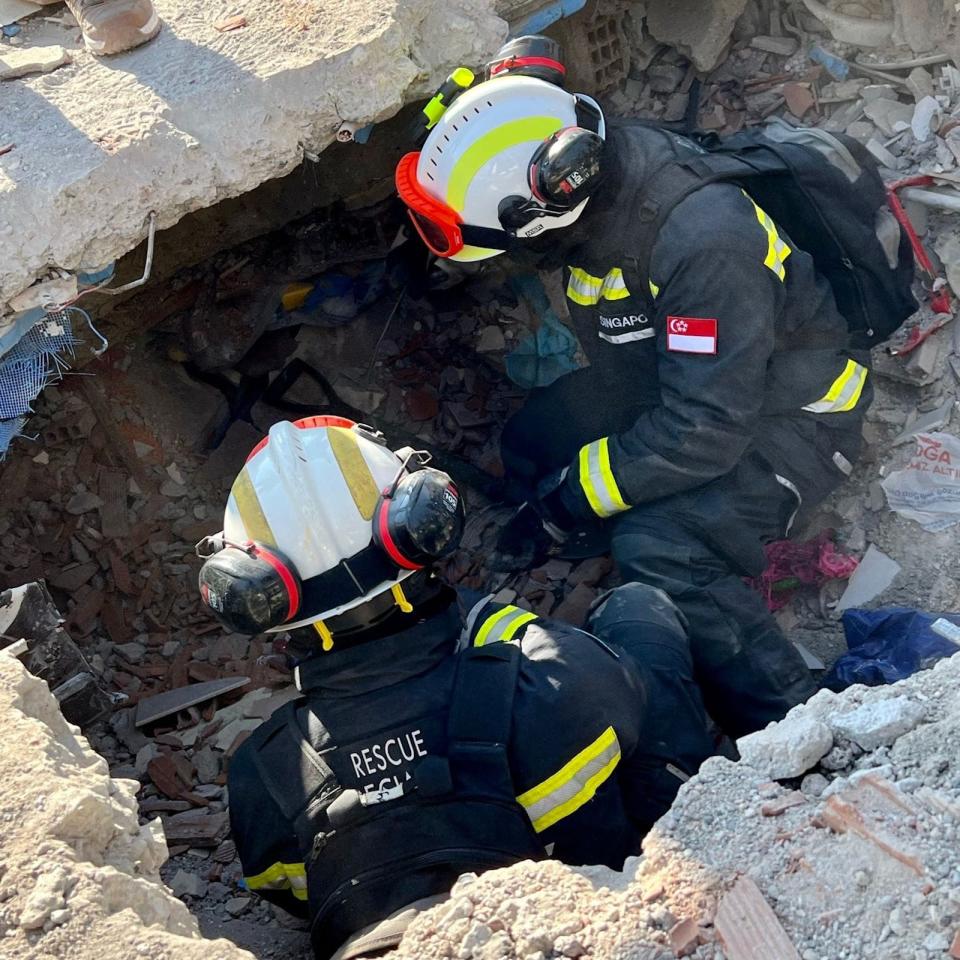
pixel 199 115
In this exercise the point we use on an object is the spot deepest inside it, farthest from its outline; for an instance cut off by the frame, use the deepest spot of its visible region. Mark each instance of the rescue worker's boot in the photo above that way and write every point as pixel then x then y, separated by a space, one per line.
pixel 112 26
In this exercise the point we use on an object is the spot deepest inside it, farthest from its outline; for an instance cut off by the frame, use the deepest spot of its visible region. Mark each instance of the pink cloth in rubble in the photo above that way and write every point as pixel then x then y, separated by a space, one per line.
pixel 811 562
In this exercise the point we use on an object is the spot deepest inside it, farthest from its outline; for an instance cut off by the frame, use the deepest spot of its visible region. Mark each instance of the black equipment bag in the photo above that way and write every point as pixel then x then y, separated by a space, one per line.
pixel 825 191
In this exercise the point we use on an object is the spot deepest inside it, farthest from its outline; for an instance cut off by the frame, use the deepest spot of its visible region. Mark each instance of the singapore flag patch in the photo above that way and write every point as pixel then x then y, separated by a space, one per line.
pixel 691 335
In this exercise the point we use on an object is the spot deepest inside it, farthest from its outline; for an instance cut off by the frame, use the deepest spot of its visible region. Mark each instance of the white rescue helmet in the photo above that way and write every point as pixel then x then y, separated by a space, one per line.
pixel 322 519
pixel 487 173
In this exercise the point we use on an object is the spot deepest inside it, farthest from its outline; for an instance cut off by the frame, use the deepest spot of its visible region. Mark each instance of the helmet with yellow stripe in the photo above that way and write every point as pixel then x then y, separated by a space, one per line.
pixel 324 525
pixel 510 158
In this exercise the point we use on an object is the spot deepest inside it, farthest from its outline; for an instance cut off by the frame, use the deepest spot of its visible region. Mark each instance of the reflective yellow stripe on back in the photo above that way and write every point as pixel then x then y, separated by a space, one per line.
pixel 844 393
pixel 573 784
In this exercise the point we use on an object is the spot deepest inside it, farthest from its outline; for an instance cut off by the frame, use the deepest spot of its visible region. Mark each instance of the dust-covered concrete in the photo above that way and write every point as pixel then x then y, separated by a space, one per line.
pixel 79 874
pixel 197 115
pixel 858 859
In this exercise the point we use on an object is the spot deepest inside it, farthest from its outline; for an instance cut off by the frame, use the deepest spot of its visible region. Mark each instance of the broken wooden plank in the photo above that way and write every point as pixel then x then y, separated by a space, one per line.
pixel 171 702
pixel 748 927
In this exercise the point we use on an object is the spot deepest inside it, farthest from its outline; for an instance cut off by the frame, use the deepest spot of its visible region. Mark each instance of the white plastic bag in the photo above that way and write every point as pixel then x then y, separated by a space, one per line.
pixel 928 488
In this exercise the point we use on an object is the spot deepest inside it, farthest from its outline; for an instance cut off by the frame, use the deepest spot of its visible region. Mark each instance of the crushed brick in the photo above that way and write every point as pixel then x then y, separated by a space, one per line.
pixel 748 927
pixel 684 937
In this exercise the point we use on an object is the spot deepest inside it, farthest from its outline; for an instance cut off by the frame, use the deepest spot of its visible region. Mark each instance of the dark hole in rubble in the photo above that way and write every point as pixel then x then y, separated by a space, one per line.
pixel 322 314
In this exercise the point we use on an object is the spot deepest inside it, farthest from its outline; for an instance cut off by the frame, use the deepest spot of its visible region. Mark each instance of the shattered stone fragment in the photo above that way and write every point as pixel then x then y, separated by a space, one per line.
pixel 787 749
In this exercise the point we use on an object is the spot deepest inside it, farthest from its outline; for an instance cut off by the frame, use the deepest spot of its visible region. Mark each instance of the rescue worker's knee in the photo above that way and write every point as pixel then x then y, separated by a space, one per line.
pixel 636 604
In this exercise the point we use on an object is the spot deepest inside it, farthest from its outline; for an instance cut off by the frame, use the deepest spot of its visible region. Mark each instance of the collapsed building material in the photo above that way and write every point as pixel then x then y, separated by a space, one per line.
pixel 80 875
pixel 700 31
pixel 109 146
pixel 28 613
pixel 743 868
pixel 151 709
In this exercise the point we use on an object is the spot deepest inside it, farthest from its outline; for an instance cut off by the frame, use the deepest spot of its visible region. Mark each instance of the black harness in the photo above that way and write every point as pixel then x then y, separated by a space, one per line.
pixel 369 855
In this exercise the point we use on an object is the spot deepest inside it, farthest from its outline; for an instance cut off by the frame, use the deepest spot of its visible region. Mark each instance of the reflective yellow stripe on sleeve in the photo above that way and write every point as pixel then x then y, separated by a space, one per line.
pixel 597 480
pixel 502 626
pixel 844 392
pixel 281 876
pixel 777 250
pixel 573 784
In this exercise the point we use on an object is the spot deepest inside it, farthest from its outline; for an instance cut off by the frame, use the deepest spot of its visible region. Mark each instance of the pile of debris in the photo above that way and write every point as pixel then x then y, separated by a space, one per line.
pixel 835 836
pixel 79 873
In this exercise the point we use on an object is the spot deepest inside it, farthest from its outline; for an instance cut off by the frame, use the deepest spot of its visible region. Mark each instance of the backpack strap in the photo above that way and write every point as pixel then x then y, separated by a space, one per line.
pixel 481 716
pixel 664 190
pixel 298 779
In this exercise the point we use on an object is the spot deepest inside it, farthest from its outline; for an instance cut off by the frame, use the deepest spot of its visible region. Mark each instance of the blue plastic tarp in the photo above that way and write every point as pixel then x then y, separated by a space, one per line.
pixel 887 645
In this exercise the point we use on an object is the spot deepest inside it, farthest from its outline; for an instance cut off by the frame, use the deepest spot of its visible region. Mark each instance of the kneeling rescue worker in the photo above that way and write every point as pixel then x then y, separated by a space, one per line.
pixel 722 391
pixel 426 743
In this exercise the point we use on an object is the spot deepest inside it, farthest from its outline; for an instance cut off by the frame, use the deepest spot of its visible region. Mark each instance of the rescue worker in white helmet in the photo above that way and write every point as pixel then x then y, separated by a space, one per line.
pixel 722 391
pixel 427 742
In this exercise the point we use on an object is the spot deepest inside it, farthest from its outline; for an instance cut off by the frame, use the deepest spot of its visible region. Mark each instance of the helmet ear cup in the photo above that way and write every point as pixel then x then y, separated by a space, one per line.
pixel 250 590
pixel 567 167
pixel 420 520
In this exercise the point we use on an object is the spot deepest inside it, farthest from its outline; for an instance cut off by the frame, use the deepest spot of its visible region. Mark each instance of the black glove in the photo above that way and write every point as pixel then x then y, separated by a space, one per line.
pixel 552 506
pixel 523 543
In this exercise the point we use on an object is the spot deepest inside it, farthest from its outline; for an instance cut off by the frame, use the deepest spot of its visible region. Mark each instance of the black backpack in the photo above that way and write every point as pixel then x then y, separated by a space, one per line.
pixel 824 189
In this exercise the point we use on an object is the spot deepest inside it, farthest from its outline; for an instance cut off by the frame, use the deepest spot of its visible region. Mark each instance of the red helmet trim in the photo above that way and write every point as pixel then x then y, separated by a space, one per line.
pixel 307 423
pixel 387 541
pixel 285 576
pixel 427 212
pixel 512 62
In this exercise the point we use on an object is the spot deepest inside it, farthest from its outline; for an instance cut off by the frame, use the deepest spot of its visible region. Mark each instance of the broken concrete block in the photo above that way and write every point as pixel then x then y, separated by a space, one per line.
pixel 875 573
pixel 237 906
pixel 48 894
pixel 882 155
pixel 83 502
pixel 491 339
pixel 890 116
pixel 860 31
pixel 920 83
pixel 186 884
pixel 207 762
pixel 879 723
pixel 782 46
pixel 928 423
pixel 665 77
pixel 699 31
pixel 19 63
pixel 920 24
pixel 786 749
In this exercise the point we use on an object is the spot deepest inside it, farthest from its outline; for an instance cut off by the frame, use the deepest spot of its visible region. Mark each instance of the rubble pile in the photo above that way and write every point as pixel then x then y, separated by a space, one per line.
pixel 834 837
pixel 832 815
pixel 79 873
